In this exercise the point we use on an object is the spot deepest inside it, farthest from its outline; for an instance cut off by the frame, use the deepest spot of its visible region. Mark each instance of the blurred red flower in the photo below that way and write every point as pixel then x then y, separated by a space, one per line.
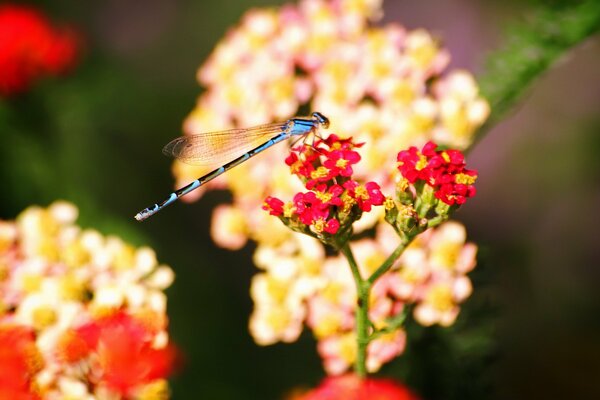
pixel 351 387
pixel 31 48
pixel 19 362
pixel 124 349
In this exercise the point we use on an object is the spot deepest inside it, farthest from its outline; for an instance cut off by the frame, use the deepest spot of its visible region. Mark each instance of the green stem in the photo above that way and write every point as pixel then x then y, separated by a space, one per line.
pixel 387 264
pixel 363 289
pixel 392 324
pixel 347 252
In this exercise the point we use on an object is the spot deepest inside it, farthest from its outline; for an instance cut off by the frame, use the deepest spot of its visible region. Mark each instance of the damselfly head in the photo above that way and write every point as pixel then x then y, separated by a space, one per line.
pixel 321 119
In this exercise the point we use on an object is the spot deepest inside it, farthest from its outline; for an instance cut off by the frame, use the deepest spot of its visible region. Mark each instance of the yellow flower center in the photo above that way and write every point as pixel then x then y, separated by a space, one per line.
pixel 465 179
pixel 277 289
pixel 389 203
pixel 319 225
pixel 332 292
pixel 288 209
pixel 31 283
pixel 71 288
pixel 446 254
pixel 422 163
pixel 402 185
pixel 43 317
pixel 320 172
pixel 361 192
pixel 348 203
pixel 327 326
pixel 156 390
pixel 341 163
pixel 445 156
pixel 440 297
pixel 278 319
pixel 324 197
pixel 3 271
pixel 348 349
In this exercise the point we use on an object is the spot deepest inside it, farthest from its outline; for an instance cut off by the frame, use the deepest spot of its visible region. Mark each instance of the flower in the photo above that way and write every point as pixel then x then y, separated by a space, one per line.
pixel 122 349
pixel 383 86
pixel 339 162
pixel 351 387
pixel 443 170
pixel 431 274
pixel 20 361
pixel 31 48
pixel 87 312
pixel 365 196
pixel 330 202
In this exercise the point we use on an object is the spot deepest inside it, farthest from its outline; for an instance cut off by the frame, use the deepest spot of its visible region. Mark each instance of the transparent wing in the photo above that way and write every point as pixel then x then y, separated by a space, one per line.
pixel 217 148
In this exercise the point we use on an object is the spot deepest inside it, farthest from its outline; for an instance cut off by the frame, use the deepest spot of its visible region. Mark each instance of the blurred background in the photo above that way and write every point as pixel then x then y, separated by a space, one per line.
pixel 531 327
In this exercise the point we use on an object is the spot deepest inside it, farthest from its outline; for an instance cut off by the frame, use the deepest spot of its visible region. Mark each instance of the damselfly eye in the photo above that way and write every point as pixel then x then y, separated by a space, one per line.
pixel 321 119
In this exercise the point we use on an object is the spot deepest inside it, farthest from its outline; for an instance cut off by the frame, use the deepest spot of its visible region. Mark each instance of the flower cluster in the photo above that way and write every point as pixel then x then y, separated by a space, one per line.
pixel 81 315
pixel 384 85
pixel 443 170
pixel 334 199
pixel 299 285
pixel 31 48
pixel 350 387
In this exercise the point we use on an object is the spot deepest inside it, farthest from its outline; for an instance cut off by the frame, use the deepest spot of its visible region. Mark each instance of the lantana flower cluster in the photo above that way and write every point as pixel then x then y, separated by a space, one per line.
pixel 30 48
pixel 334 199
pixel 82 315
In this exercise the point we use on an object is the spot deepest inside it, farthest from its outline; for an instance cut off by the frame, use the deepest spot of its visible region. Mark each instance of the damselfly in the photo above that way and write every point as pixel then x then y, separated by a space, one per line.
pixel 232 148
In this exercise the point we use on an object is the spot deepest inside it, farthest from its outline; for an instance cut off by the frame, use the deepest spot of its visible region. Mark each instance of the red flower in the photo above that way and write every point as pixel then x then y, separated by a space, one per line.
pixel 332 226
pixel 334 142
pixel 300 166
pixel 460 190
pixel 340 162
pixel 122 347
pixel 326 170
pixel 309 208
pixel 19 362
pixel 412 164
pixel 273 205
pixel 350 387
pixel 30 48
pixel 443 170
pixel 367 195
pixel 329 196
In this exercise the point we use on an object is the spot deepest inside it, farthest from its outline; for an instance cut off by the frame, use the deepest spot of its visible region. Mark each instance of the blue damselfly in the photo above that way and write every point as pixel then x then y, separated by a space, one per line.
pixel 231 147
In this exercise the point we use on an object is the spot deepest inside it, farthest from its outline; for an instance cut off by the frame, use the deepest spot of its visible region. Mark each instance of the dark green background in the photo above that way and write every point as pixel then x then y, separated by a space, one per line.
pixel 529 331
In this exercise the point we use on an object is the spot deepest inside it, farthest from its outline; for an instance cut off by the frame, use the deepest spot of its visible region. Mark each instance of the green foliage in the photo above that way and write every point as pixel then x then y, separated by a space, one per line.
pixel 530 49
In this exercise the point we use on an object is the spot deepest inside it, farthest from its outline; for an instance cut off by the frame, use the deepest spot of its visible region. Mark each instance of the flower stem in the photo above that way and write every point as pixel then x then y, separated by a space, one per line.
pixel 363 289
pixel 387 264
